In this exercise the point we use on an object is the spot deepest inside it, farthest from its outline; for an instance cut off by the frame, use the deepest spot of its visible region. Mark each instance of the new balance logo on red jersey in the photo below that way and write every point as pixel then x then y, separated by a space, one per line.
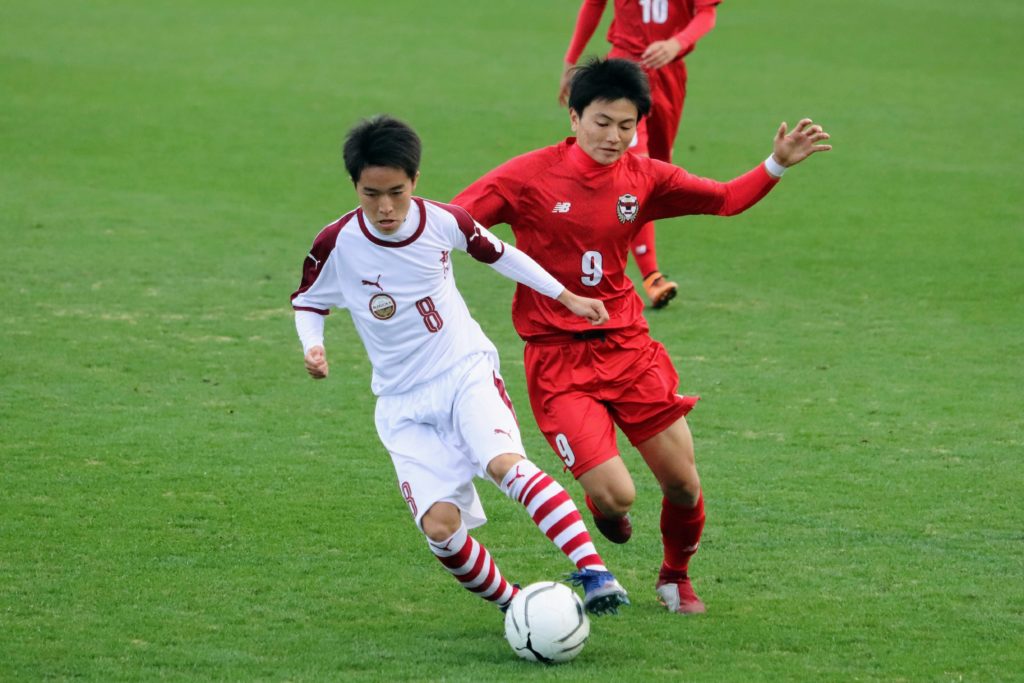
pixel 562 207
pixel 375 283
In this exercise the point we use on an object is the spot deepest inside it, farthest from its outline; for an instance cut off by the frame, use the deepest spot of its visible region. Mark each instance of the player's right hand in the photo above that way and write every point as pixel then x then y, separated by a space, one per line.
pixel 585 307
pixel 316 362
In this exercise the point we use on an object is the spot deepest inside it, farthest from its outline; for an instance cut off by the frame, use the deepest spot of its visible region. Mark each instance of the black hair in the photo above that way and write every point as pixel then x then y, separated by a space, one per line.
pixel 610 80
pixel 382 141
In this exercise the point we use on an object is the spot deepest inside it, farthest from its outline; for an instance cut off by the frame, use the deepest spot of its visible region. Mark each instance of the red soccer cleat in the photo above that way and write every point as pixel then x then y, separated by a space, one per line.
pixel 675 592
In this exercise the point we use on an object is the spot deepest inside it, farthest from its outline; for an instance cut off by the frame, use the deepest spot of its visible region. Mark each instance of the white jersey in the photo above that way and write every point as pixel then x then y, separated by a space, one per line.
pixel 400 289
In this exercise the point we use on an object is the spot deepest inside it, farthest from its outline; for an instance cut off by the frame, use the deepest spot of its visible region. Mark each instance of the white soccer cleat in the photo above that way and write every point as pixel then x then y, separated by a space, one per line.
pixel 675 592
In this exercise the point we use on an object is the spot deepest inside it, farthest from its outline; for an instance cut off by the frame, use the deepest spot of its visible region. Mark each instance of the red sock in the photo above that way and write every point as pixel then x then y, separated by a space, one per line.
pixel 643 250
pixel 681 528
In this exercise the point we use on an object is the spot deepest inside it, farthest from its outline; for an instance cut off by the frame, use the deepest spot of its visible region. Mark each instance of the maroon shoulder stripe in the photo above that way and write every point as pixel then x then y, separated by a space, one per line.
pixel 480 248
pixel 322 247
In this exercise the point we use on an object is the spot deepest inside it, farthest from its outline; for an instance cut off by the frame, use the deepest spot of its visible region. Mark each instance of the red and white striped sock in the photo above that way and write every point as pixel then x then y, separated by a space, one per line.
pixel 553 512
pixel 470 562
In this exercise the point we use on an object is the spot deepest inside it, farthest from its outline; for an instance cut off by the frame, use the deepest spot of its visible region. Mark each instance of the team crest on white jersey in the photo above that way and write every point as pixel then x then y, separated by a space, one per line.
pixel 627 208
pixel 382 306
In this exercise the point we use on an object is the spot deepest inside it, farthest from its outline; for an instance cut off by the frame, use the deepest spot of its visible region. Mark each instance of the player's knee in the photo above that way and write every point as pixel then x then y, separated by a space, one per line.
pixel 615 501
pixel 441 521
pixel 682 491
pixel 498 467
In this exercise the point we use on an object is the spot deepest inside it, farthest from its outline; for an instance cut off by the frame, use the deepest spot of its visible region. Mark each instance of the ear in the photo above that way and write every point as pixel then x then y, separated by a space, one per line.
pixel 415 179
pixel 574 120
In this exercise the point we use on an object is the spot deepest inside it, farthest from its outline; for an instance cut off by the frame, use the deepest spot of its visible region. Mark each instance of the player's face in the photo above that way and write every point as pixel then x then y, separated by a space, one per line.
pixel 385 194
pixel 605 129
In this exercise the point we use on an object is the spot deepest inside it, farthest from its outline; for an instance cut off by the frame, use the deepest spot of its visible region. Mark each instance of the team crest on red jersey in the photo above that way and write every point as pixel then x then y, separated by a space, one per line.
pixel 627 208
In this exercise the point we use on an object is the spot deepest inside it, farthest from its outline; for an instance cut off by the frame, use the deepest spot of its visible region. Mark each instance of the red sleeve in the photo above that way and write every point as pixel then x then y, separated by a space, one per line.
pixel 703 21
pixel 680 193
pixel 743 192
pixel 586 23
pixel 489 199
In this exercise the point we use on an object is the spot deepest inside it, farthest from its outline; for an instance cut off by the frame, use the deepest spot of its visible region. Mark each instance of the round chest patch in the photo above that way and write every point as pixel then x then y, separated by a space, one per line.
pixel 382 306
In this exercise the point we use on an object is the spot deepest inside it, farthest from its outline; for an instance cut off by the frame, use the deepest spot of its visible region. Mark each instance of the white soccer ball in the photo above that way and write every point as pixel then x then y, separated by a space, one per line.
pixel 546 623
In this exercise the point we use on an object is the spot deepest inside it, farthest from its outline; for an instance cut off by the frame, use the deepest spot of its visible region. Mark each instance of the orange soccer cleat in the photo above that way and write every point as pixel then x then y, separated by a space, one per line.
pixel 659 290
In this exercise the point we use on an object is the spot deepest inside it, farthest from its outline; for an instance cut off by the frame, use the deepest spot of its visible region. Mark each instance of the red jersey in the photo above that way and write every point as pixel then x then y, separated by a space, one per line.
pixel 577 217
pixel 636 24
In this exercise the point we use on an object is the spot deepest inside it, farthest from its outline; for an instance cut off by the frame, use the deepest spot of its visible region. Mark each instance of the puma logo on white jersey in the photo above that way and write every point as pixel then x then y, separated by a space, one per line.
pixel 374 283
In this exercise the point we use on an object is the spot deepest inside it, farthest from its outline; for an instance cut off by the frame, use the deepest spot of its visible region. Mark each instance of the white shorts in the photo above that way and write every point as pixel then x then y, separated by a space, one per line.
pixel 443 433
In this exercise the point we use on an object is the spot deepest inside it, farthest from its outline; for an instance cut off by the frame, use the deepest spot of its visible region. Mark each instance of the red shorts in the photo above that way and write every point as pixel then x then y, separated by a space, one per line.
pixel 581 389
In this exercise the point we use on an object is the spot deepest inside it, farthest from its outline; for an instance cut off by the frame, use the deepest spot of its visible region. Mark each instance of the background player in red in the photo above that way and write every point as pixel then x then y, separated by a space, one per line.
pixel 442 410
pixel 575 207
pixel 657 34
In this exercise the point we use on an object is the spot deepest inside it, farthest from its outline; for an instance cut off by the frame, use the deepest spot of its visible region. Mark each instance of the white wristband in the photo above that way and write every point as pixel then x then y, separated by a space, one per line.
pixel 773 167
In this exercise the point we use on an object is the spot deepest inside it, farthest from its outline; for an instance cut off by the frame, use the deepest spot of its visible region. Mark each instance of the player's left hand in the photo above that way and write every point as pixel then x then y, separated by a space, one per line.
pixel 793 147
pixel 585 307
pixel 659 53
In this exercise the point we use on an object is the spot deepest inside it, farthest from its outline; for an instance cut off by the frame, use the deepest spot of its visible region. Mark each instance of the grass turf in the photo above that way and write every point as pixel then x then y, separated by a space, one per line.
pixel 180 501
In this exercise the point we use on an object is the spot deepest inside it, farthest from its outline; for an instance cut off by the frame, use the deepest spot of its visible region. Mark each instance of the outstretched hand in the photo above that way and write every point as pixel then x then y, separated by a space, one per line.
pixel 585 307
pixel 791 148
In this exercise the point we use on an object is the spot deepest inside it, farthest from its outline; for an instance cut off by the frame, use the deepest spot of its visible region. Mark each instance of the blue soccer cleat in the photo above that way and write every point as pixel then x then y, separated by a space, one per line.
pixel 602 593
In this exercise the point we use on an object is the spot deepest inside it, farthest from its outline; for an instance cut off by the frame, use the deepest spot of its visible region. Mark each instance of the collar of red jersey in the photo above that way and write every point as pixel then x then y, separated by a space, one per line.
pixel 584 161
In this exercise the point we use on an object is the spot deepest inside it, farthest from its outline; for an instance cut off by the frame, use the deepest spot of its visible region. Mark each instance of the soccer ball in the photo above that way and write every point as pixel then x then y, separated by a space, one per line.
pixel 546 623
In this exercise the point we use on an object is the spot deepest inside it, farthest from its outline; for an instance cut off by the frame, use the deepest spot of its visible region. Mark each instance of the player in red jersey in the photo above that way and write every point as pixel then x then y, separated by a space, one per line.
pixel 575 207
pixel 657 34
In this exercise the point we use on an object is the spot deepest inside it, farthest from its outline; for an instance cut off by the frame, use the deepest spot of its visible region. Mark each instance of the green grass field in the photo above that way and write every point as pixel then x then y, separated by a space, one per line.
pixel 179 501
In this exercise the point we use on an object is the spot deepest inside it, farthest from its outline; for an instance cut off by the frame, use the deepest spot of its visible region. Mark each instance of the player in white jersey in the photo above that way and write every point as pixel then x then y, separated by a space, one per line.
pixel 442 410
